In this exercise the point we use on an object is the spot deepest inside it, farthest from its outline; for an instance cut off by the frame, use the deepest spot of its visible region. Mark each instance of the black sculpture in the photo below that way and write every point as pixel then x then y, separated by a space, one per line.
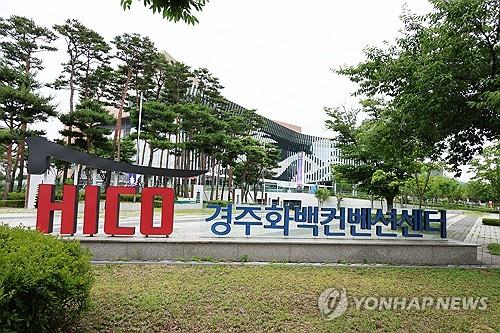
pixel 40 151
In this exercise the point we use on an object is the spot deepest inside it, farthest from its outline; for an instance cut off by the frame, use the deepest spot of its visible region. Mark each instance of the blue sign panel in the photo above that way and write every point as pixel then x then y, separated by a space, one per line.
pixel 327 222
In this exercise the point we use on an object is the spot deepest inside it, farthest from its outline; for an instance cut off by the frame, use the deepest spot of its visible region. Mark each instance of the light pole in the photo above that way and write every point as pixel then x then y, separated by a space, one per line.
pixel 139 137
pixel 139 128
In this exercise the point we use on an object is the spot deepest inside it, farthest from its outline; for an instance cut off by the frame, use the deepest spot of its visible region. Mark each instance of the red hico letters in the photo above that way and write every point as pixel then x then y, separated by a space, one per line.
pixel 68 206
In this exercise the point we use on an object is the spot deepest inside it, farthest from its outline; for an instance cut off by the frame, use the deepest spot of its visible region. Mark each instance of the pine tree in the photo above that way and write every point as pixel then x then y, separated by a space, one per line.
pixel 21 40
pixel 89 124
pixel 135 52
pixel 86 49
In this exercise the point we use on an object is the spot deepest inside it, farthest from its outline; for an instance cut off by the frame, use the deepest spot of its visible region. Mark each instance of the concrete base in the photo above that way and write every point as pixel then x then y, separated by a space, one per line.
pixel 310 251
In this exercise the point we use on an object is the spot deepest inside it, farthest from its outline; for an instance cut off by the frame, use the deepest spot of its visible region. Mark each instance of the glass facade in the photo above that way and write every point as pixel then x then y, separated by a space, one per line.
pixel 306 159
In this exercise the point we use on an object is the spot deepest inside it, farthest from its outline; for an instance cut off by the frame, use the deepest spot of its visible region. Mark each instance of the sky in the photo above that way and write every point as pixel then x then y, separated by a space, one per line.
pixel 272 56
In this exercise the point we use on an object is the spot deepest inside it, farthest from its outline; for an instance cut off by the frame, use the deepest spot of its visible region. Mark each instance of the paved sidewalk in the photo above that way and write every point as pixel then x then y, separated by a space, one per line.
pixel 484 235
pixel 461 227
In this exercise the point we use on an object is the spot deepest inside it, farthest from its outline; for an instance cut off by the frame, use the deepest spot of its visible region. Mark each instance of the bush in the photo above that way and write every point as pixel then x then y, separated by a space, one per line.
pixel 12 203
pixel 15 196
pixel 129 197
pixel 491 222
pixel 222 203
pixel 44 281
pixel 494 249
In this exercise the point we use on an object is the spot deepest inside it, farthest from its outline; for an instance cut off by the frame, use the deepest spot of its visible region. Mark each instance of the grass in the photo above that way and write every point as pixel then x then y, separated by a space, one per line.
pixel 163 298
pixel 494 249
pixel 488 221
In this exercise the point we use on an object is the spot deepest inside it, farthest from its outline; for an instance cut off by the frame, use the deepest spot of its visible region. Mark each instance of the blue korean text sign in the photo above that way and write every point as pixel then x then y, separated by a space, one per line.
pixel 325 222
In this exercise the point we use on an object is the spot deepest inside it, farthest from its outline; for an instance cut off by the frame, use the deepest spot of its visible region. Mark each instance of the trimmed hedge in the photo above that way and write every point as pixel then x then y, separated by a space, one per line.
pixel 44 281
pixel 222 203
pixel 495 222
pixel 16 196
pixel 12 203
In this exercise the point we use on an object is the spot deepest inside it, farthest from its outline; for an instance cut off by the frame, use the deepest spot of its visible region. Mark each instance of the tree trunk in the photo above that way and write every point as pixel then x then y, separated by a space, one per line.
pixel 224 185
pixel 143 153
pixel 21 152
pixel 88 173
pixel 185 185
pixel 255 193
pixel 8 170
pixel 217 184
pixel 176 162
pixel 203 167
pixel 230 184
pixel 13 173
pixel 71 88
pixel 107 180
pixel 24 126
pixel 212 187
pixel 150 163
pixel 87 70
pixel 118 127
pixel 390 203
pixel 65 173
pixel 79 175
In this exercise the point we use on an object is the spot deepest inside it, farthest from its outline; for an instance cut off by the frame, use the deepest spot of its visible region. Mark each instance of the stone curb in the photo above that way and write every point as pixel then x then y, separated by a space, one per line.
pixel 265 263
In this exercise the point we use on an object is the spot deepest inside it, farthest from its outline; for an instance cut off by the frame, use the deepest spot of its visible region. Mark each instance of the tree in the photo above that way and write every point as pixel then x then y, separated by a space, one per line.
pixel 487 169
pixel 441 77
pixel 135 52
pixel 92 123
pixel 444 188
pixel 255 163
pixel 156 76
pixel 177 83
pixel 375 168
pixel 100 84
pixel 157 127
pixel 479 191
pixel 422 177
pixel 89 125
pixel 239 124
pixel 208 88
pixel 21 40
pixel 172 10
pixel 18 107
pixel 84 48
pixel 322 194
pixel 202 132
pixel 5 140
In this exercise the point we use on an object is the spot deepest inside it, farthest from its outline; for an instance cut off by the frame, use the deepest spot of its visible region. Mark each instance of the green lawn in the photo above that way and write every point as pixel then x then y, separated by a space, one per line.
pixel 494 249
pixel 152 298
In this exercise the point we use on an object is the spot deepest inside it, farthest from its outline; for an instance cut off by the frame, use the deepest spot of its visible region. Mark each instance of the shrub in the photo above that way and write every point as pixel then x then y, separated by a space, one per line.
pixel 12 203
pixel 222 203
pixel 494 249
pixel 44 281
pixel 491 222
pixel 15 196
pixel 129 197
